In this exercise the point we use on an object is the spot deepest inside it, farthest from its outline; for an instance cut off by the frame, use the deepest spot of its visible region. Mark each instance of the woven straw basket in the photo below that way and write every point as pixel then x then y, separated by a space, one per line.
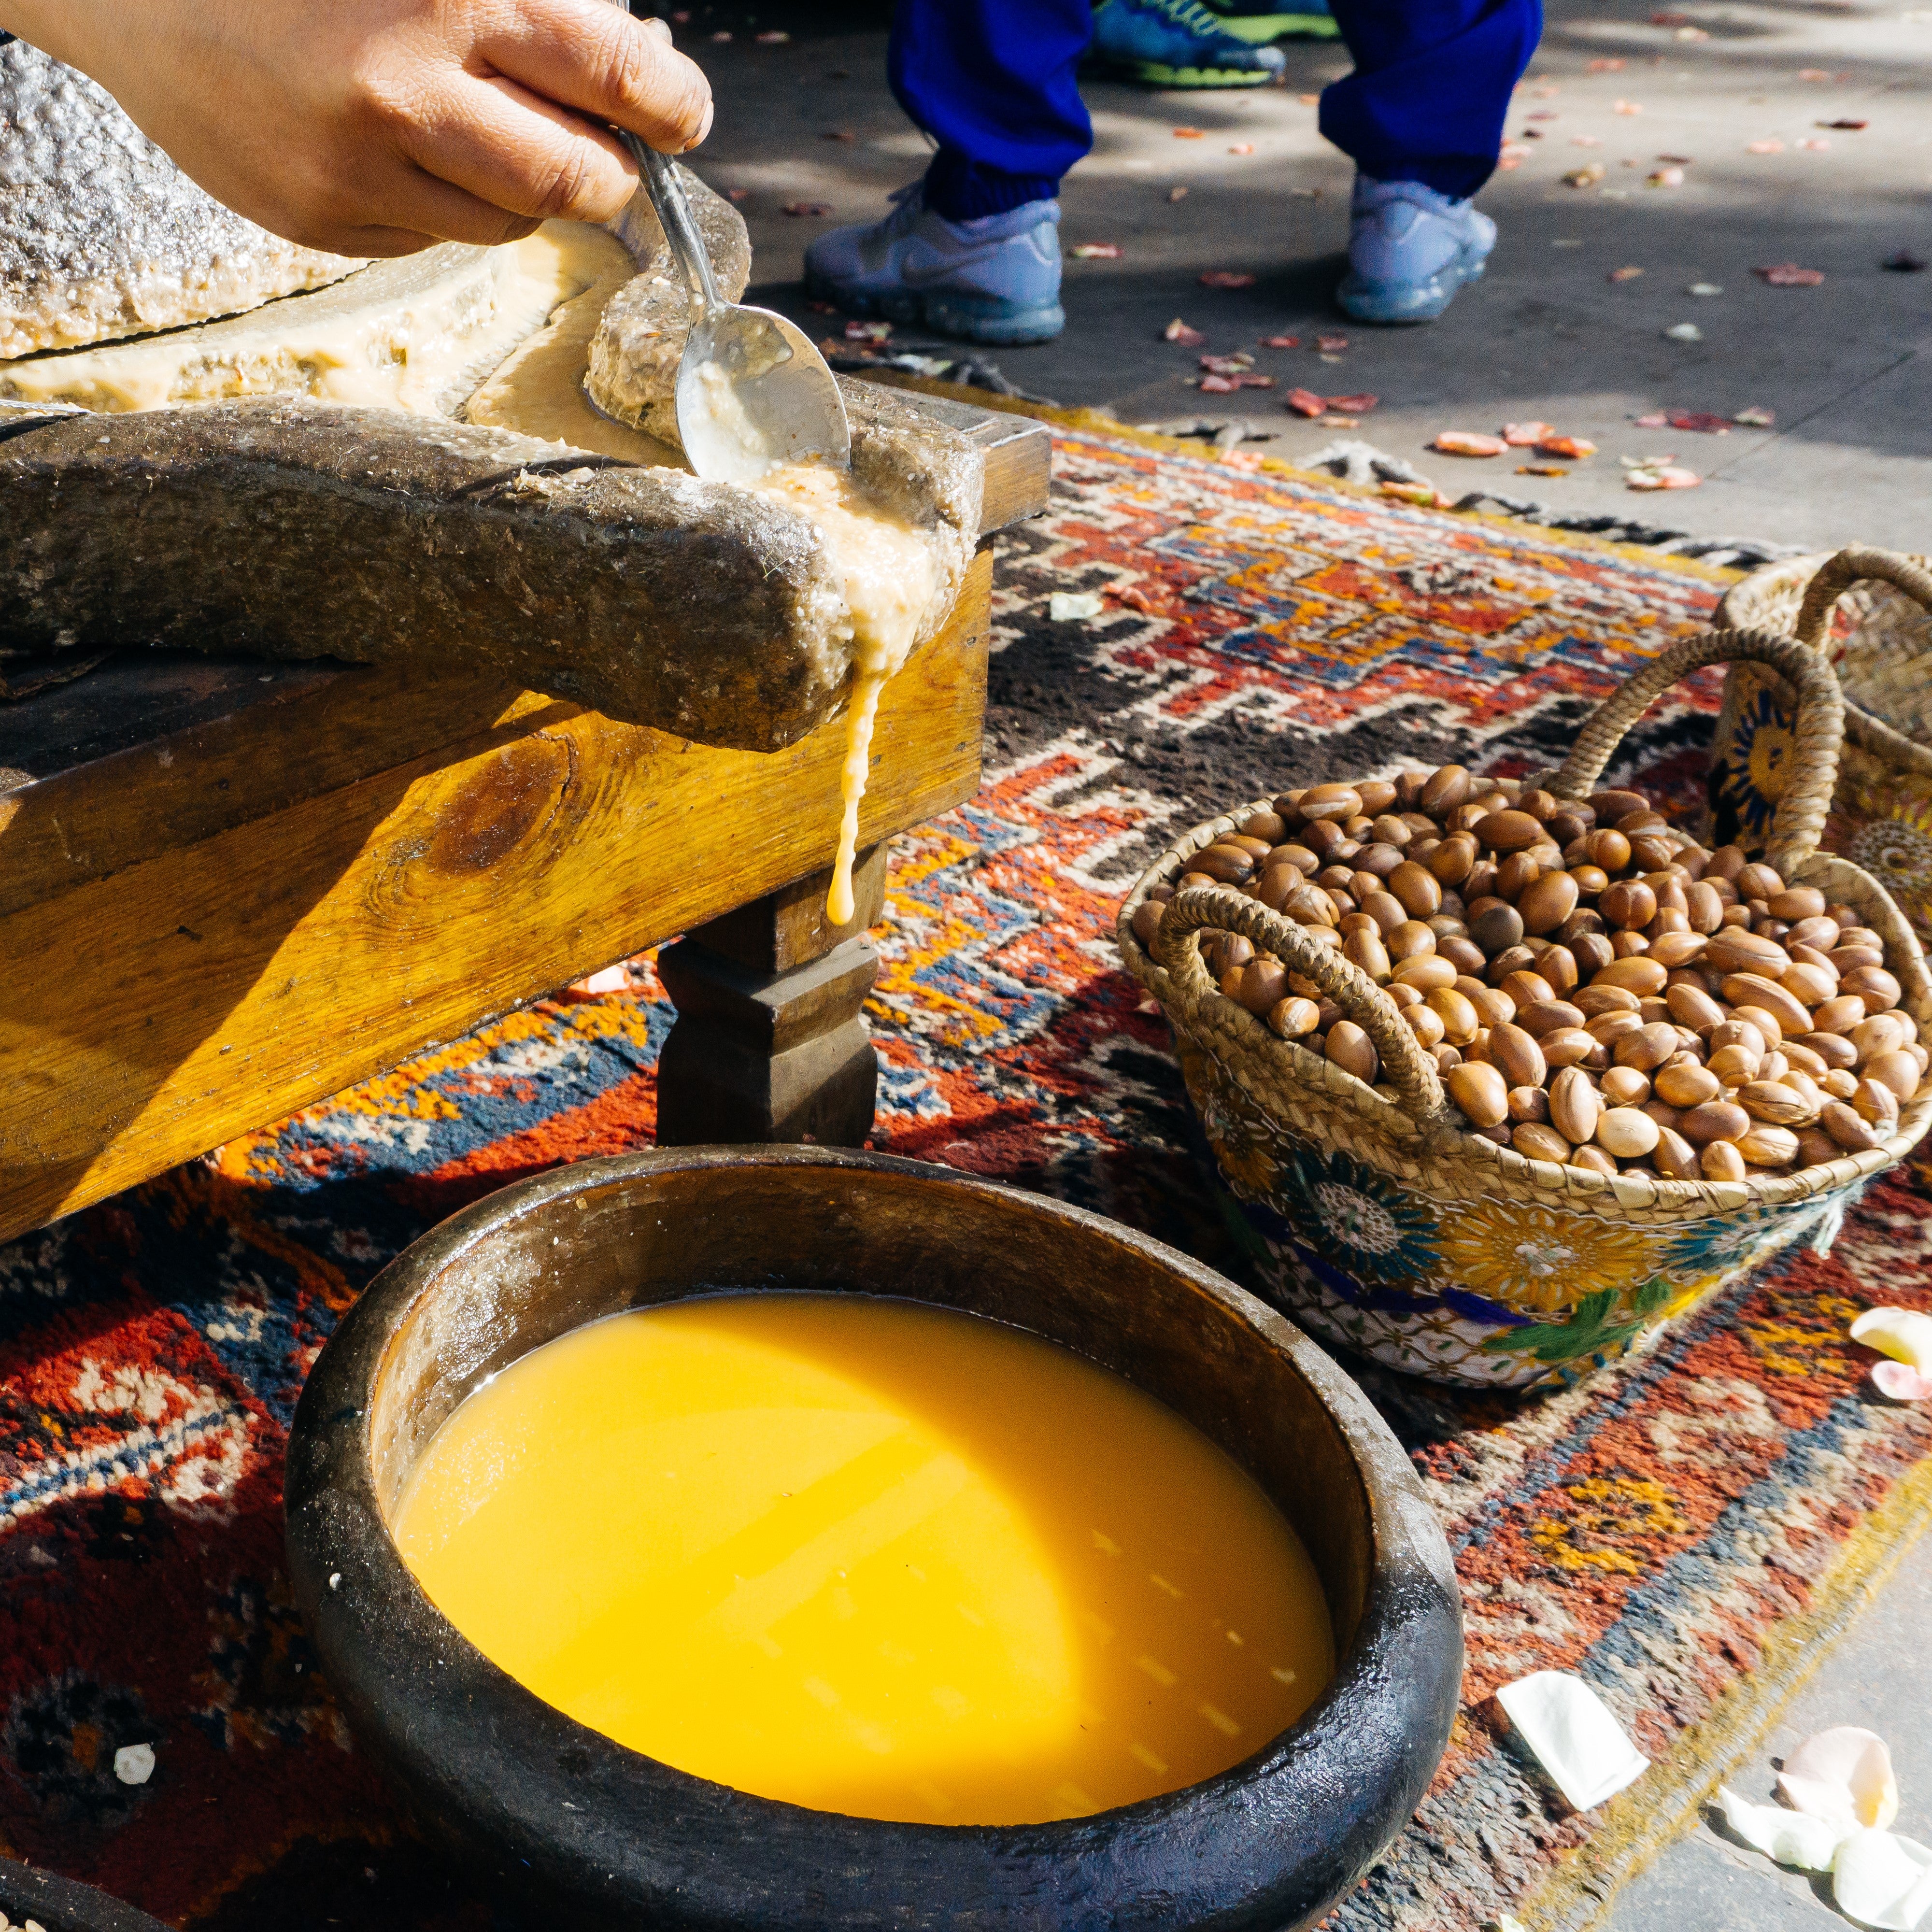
pixel 1376 1215
pixel 1881 816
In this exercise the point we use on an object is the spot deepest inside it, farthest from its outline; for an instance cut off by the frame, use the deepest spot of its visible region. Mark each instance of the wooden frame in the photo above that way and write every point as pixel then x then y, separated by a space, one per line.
pixel 229 890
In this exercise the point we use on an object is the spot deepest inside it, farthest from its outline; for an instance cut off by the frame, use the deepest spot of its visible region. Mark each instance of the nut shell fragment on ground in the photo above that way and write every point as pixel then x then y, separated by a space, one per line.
pixel 1469 442
pixel 1573 1735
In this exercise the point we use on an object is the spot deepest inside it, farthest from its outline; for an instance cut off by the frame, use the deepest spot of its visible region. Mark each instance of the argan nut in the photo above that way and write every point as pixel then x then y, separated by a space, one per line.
pixel 1608 1028
pixel 1496 928
pixel 1593 1160
pixel 1529 1104
pixel 1767 1146
pixel 1703 906
pixel 1330 802
pixel 1575 1104
pixel 1277 885
pixel 1308 905
pixel 1377 796
pixel 1721 1161
pixel 1636 974
pixel 1445 789
pixel 1673 949
pixel 1419 890
pixel 1735 1065
pixel 1508 831
pixel 1547 1016
pixel 1464 955
pixel 1896 1070
pixel 1686 1086
pixel 1515 1052
pixel 1293 1017
pixel 1591 951
pixel 1881 1034
pixel 1425 1023
pixel 1797 902
pixel 1232 865
pixel 1847 1127
pixel 1459 1021
pixel 1268 827
pixel 1759 882
pixel 1366 951
pixel 1650 1046
pixel 1546 903
pixel 1627 902
pixel 1567 1046
pixel 1494 1007
pixel 1735 950
pixel 1816 1147
pixel 1771 1100
pixel 1692 1007
pixel 1627 1132
pixel 1593 1002
pixel 1451 861
pixel 1533 1140
pixel 1146 921
pixel 1714 1121
pixel 1480 1092
pixel 1426 972
pixel 1607 848
pixel 1808 985
pixel 1411 940
pixel 1351 1049
pixel 1874 986
pixel 1447 1058
pixel 1527 989
pixel 1263 985
pixel 1624 1086
pixel 1674 1157
pixel 1750 990
pixel 1876 1105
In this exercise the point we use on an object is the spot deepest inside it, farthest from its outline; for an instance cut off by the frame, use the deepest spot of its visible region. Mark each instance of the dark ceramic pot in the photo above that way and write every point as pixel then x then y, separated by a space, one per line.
pixel 600 1834
pixel 62 1905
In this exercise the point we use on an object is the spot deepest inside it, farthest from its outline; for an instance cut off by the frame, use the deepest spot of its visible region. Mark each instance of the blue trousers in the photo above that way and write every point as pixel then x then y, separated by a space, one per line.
pixel 994 83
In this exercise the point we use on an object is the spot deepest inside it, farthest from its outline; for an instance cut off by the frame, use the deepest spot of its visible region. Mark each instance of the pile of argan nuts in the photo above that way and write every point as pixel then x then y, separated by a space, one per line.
pixel 1596 989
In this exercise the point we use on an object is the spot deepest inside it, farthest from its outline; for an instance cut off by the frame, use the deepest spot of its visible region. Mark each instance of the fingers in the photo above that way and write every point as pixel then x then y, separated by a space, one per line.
pixel 502 145
pixel 598 59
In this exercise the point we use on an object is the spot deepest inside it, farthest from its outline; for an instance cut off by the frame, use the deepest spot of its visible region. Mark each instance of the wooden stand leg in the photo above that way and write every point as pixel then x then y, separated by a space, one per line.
pixel 769 1045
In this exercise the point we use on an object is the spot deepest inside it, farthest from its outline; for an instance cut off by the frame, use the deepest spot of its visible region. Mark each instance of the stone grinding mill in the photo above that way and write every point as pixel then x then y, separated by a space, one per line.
pixel 390 718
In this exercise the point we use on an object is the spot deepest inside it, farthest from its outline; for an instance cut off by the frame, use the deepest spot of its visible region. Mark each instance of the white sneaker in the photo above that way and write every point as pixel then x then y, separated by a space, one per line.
pixel 1410 249
pixel 996 279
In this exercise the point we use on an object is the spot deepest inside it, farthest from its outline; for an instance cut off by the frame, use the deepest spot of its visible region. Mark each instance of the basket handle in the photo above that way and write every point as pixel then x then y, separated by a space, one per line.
pixel 1818 734
pixel 1410 1069
pixel 1837 574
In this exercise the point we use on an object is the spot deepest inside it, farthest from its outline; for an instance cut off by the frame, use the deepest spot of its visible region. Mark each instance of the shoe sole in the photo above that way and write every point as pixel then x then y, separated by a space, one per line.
pixel 1263 30
pixel 997 324
pixel 1152 74
pixel 1362 303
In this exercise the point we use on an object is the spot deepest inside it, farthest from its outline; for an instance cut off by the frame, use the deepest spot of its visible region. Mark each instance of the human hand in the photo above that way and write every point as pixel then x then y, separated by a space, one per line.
pixel 378 127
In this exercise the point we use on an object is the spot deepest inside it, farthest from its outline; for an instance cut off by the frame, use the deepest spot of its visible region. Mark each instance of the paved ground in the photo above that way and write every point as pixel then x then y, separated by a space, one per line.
pixel 1879 1675
pixel 1846 366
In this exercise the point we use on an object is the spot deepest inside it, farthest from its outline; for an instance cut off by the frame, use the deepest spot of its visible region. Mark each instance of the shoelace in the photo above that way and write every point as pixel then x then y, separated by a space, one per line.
pixel 1188 15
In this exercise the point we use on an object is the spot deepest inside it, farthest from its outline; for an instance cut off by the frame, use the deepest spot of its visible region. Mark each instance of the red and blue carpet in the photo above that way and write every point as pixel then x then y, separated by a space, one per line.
pixel 1680 1530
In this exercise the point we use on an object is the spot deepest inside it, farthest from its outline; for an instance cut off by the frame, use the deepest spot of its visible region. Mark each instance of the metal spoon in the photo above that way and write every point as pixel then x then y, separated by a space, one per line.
pixel 752 391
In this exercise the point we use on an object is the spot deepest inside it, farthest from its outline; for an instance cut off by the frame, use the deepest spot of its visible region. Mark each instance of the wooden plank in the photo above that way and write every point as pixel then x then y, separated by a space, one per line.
pixel 154 1011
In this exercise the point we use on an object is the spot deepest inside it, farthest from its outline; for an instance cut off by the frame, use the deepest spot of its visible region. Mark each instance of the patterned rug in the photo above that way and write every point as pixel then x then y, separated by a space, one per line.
pixel 1665 1530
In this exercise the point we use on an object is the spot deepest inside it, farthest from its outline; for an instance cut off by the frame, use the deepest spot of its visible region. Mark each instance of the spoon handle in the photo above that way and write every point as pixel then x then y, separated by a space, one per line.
pixel 680 226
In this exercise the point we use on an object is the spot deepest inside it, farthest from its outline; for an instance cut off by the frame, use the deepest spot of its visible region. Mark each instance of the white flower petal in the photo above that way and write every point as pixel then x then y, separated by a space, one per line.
pixel 1574 1738
pixel 1843 1774
pixel 1791 1837
pixel 1903 1334
pixel 1883 1880
pixel 1900 1383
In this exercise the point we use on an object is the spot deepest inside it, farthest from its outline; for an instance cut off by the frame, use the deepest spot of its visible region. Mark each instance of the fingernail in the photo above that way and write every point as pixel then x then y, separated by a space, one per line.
pixel 703 128
pixel 657 26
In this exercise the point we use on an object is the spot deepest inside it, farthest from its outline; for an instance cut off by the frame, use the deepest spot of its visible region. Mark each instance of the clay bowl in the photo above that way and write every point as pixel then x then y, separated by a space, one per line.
pixel 596 1833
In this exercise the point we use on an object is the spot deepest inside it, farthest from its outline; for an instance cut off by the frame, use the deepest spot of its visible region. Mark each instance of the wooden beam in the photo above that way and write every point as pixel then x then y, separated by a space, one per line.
pixel 180 966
